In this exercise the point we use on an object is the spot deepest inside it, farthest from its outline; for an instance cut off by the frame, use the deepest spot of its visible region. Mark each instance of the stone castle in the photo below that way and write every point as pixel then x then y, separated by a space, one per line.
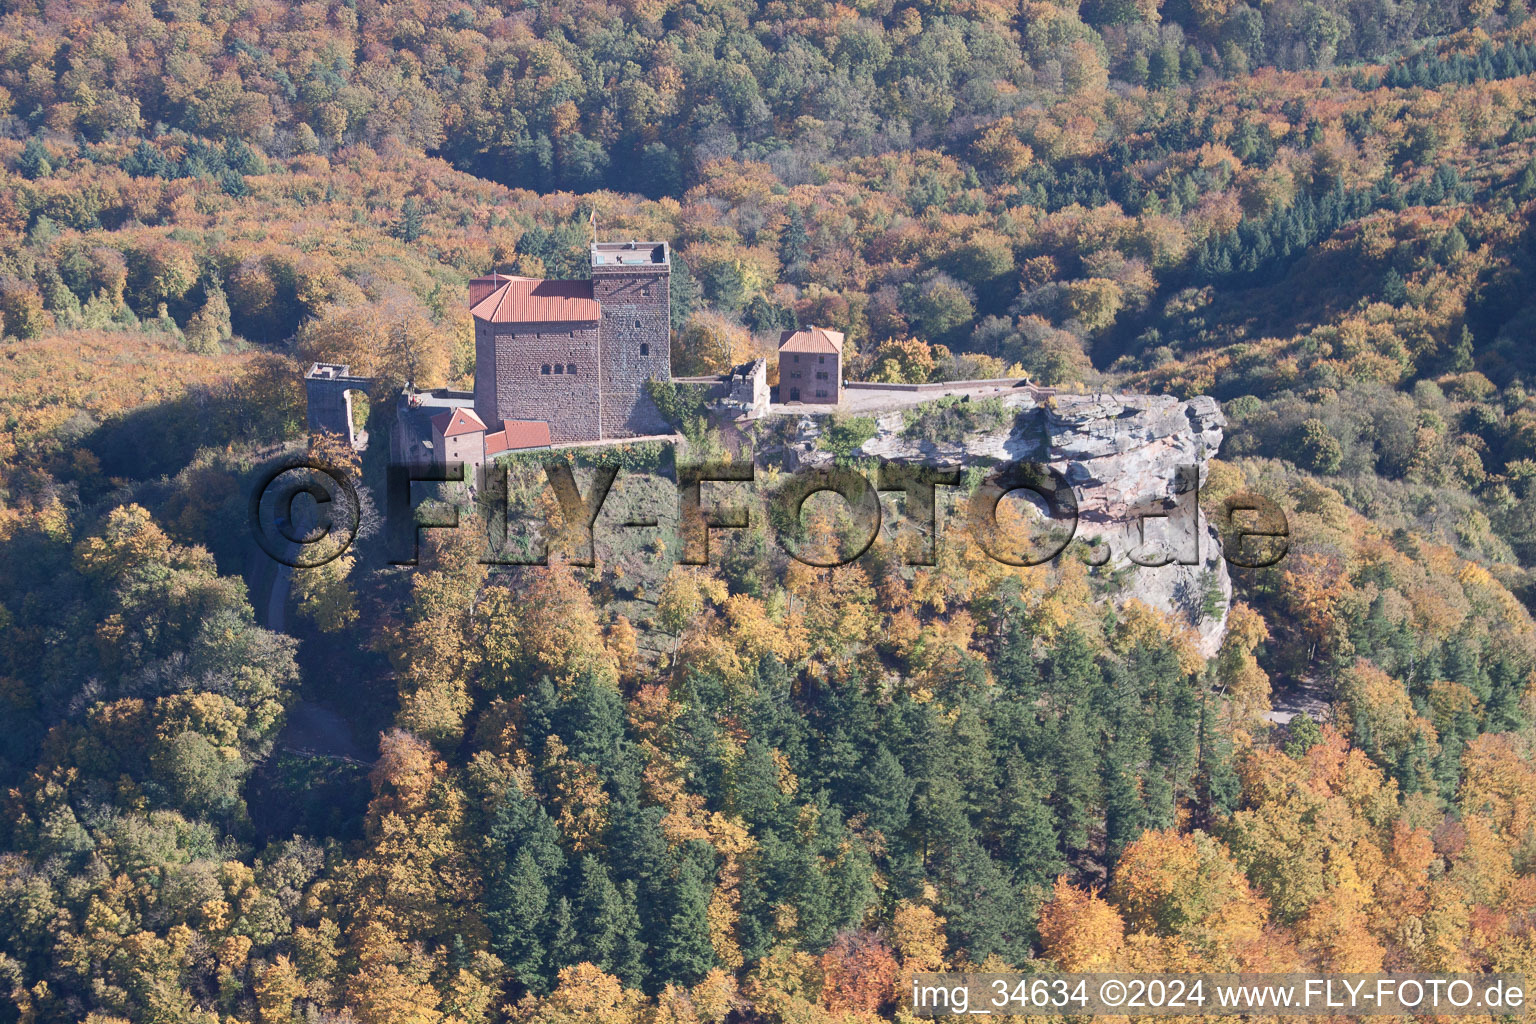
pixel 567 362
pixel 556 362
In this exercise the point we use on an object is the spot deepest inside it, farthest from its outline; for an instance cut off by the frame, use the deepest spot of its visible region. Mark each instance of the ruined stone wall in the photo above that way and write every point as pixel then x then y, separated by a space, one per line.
pixel 741 393
pixel 571 403
pixel 327 388
pixel 636 345
pixel 711 388
pixel 330 408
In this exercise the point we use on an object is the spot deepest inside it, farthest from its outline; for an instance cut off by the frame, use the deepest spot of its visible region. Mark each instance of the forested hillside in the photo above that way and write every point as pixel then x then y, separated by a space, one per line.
pixel 757 791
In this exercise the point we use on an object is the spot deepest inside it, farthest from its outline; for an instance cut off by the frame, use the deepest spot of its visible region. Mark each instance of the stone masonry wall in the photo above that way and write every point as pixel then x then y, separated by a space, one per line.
pixel 465 449
pixel 570 403
pixel 485 373
pixel 329 402
pixel 637 310
pixel 329 408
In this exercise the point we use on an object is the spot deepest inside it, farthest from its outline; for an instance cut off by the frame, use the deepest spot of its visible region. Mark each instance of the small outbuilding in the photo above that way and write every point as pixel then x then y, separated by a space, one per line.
pixel 811 366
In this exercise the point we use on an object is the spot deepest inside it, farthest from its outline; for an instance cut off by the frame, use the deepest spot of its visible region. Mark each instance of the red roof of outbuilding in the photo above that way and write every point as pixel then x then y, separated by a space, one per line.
pixel 516 434
pixel 459 421
pixel 811 339
pixel 532 300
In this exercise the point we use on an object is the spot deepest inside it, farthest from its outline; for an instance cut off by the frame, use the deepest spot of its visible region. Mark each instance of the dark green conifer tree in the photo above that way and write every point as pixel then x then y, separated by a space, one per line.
pixel 34 162
pixel 1393 288
pixel 683 291
pixel 590 721
pixel 629 951
pixel 598 912
pixel 794 246
pixel 982 909
pixel 938 799
pixel 565 946
pixel 1014 666
pixel 683 953
pixel 1525 184
pixel 884 793
pixel 517 912
pixel 526 868
pixel 1075 778
pixel 1027 830
pixel 1124 813
pixel 753 787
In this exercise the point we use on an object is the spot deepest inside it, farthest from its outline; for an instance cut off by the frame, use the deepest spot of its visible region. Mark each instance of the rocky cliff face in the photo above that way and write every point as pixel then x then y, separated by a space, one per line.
pixel 1133 462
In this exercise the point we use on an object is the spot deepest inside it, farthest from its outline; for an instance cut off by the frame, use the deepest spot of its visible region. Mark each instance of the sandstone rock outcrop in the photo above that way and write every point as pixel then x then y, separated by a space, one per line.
pixel 1134 463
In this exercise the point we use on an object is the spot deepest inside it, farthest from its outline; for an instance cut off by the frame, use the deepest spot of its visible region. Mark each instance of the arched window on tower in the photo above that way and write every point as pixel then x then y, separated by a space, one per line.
pixel 545 368
pixel 559 368
pixel 570 368
pixel 645 348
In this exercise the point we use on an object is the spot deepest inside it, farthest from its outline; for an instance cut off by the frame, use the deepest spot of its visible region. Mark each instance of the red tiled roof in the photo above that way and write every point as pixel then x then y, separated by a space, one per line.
pixel 532 300
pixel 516 434
pixel 480 287
pixel 459 421
pixel 811 339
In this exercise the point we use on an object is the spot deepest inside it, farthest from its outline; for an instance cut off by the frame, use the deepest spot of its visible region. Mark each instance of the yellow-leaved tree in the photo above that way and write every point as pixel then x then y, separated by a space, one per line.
pixel 1080 931
pixel 1189 886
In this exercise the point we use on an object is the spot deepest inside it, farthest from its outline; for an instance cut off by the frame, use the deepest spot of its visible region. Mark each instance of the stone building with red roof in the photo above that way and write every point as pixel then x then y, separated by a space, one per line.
pixel 459 435
pixel 576 355
pixel 811 366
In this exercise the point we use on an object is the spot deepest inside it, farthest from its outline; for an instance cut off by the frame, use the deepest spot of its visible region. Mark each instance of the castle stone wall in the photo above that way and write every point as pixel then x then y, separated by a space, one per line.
pixel 742 393
pixel 509 365
pixel 485 373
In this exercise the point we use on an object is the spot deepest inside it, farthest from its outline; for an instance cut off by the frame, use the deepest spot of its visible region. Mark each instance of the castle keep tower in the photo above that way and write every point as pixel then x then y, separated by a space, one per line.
pixel 576 354
pixel 631 281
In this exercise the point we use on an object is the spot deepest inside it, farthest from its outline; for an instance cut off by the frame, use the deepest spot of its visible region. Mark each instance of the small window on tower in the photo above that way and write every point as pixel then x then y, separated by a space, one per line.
pixel 821 359
pixel 570 368
pixel 637 323
pixel 645 348
pixel 545 368
pixel 559 368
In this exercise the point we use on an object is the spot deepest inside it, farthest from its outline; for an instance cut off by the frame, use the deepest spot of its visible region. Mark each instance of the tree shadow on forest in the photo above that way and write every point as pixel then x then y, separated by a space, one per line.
pixel 160 439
